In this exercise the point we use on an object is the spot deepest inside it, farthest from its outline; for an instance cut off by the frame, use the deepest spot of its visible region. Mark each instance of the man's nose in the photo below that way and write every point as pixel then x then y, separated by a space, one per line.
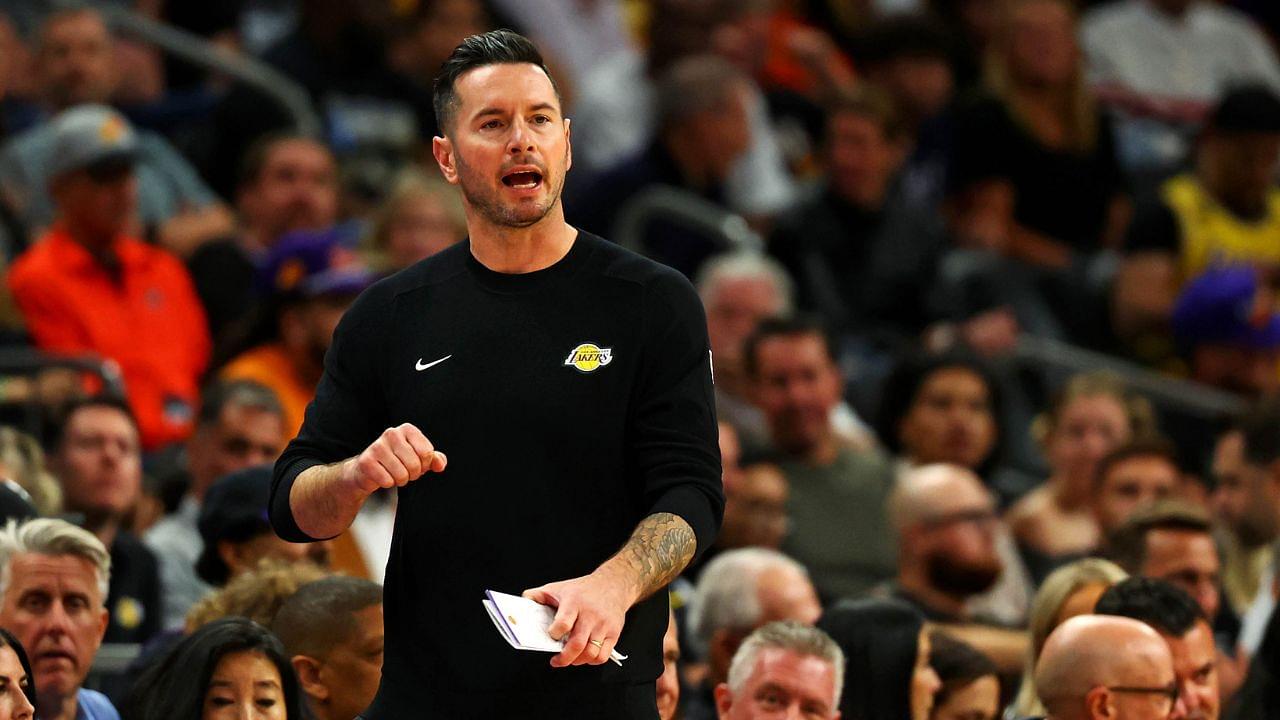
pixel 1188 695
pixel 57 622
pixel 521 139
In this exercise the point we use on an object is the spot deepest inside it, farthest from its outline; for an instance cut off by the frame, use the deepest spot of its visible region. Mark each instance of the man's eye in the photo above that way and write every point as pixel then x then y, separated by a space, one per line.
pixel 490 125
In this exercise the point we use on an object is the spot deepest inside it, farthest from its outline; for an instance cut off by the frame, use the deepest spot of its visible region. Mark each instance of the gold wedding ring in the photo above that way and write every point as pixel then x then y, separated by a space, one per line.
pixel 598 643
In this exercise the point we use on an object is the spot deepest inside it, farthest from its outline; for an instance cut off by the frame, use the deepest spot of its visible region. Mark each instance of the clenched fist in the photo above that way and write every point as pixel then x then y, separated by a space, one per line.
pixel 399 456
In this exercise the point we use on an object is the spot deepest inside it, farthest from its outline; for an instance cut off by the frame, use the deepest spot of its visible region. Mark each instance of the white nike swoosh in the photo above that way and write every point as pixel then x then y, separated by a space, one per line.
pixel 420 366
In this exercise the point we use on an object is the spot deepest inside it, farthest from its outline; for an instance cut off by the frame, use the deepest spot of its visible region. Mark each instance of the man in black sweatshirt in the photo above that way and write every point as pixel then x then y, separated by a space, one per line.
pixel 570 383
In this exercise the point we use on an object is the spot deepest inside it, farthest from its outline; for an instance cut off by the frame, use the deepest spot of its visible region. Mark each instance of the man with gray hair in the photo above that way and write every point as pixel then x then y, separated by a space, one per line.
pixel 739 289
pixel 1100 666
pixel 53 583
pixel 738 592
pixel 783 666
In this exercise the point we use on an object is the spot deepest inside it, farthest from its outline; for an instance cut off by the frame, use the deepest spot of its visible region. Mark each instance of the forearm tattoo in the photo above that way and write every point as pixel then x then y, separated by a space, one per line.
pixel 662 545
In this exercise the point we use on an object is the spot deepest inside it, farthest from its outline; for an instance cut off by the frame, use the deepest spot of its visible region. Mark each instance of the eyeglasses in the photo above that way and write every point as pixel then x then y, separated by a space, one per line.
pixel 1170 691
pixel 981 517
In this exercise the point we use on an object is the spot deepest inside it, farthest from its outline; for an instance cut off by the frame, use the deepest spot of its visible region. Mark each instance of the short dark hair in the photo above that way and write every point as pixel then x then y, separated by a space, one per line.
pixel 321 614
pixel 869 103
pixel 259 152
pixel 1127 546
pixel 1260 427
pixel 491 48
pixel 1148 447
pixel 775 327
pixel 221 394
pixel 1160 604
pixel 69 410
pixel 1246 108
pixel 958 665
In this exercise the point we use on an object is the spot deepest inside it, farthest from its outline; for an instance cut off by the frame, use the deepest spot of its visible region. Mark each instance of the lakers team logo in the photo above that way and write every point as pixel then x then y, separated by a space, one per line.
pixel 589 356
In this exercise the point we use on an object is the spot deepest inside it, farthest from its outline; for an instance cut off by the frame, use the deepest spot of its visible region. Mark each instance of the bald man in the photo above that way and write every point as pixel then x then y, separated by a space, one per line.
pixel 950 558
pixel 946 526
pixel 1099 666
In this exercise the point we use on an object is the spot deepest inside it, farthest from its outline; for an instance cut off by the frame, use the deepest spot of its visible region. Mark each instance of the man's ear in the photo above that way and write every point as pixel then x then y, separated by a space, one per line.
pixel 308 671
pixel 442 149
pixel 568 145
pixel 103 621
pixel 230 554
pixel 1097 703
pixel 724 699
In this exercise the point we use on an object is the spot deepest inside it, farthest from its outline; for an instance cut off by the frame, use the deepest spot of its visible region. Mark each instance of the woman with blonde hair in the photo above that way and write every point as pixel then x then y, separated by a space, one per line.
pixel 22 462
pixel 421 216
pixel 1069 591
pixel 1034 175
pixel 1091 416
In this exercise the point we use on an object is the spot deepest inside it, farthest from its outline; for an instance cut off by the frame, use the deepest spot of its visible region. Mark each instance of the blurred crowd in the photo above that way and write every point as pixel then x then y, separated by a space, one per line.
pixel 885 205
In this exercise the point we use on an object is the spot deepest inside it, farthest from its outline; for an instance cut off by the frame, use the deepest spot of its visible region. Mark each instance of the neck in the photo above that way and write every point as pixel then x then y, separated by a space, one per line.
pixel 1066 495
pixel 254 240
pixel 821 453
pixel 95 241
pixel 1245 209
pixel 688 157
pixel 911 579
pixel 58 707
pixel 105 528
pixel 521 250
pixel 1048 101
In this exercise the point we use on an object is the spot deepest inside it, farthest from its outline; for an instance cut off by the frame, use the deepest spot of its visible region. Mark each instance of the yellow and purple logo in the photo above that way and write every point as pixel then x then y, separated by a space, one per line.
pixel 588 357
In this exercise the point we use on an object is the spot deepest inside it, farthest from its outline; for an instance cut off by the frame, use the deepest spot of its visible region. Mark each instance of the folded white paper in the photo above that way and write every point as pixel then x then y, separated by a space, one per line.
pixel 523 623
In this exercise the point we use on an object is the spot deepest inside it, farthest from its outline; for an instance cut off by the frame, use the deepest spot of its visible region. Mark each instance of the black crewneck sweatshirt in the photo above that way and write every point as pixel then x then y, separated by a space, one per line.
pixel 572 402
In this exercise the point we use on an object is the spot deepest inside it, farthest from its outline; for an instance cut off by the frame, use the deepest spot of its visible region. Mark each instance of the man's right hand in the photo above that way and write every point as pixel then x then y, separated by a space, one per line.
pixel 399 456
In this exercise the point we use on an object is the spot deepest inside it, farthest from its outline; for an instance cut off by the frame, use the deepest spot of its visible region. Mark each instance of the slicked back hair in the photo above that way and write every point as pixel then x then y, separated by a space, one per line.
pixel 1163 606
pixel 495 47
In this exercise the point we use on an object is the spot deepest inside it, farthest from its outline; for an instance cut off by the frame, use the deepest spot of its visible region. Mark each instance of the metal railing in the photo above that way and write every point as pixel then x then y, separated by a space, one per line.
pixel 198 51
pixel 26 362
pixel 114 658
pixel 1164 390
pixel 684 208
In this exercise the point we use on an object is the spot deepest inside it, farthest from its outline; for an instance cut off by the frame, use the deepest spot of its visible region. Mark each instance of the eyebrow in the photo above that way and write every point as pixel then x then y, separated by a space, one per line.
pixel 498 111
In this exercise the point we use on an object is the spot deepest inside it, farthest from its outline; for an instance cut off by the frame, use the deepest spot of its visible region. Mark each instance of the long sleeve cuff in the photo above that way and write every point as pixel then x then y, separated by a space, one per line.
pixel 696 507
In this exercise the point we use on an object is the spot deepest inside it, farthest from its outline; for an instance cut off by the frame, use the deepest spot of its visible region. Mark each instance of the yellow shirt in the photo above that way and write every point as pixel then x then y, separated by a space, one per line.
pixel 1213 235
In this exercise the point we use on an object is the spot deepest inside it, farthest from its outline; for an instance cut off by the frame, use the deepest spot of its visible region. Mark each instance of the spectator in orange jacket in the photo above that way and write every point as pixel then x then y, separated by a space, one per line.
pixel 90 286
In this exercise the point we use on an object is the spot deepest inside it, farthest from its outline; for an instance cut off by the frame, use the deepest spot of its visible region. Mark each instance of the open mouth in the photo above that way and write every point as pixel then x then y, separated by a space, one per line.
pixel 522 179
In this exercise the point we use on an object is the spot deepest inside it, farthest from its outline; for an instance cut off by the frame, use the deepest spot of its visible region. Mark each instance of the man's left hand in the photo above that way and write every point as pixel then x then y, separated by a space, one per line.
pixel 590 611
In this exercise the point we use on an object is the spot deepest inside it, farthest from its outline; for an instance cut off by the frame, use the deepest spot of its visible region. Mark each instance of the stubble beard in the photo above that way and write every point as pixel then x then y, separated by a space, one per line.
pixel 489 205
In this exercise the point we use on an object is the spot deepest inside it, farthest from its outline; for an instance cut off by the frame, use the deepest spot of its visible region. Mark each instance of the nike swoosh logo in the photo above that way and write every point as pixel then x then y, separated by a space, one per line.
pixel 420 366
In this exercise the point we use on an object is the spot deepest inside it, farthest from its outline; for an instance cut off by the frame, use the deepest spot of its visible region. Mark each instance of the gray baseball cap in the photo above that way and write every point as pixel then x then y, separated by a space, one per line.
pixel 91 135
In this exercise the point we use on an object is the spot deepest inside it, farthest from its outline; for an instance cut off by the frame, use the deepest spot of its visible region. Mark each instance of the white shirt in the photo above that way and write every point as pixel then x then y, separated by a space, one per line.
pixel 1180 64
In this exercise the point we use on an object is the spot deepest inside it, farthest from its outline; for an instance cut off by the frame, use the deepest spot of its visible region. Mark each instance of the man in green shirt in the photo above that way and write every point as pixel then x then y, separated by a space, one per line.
pixel 837 497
